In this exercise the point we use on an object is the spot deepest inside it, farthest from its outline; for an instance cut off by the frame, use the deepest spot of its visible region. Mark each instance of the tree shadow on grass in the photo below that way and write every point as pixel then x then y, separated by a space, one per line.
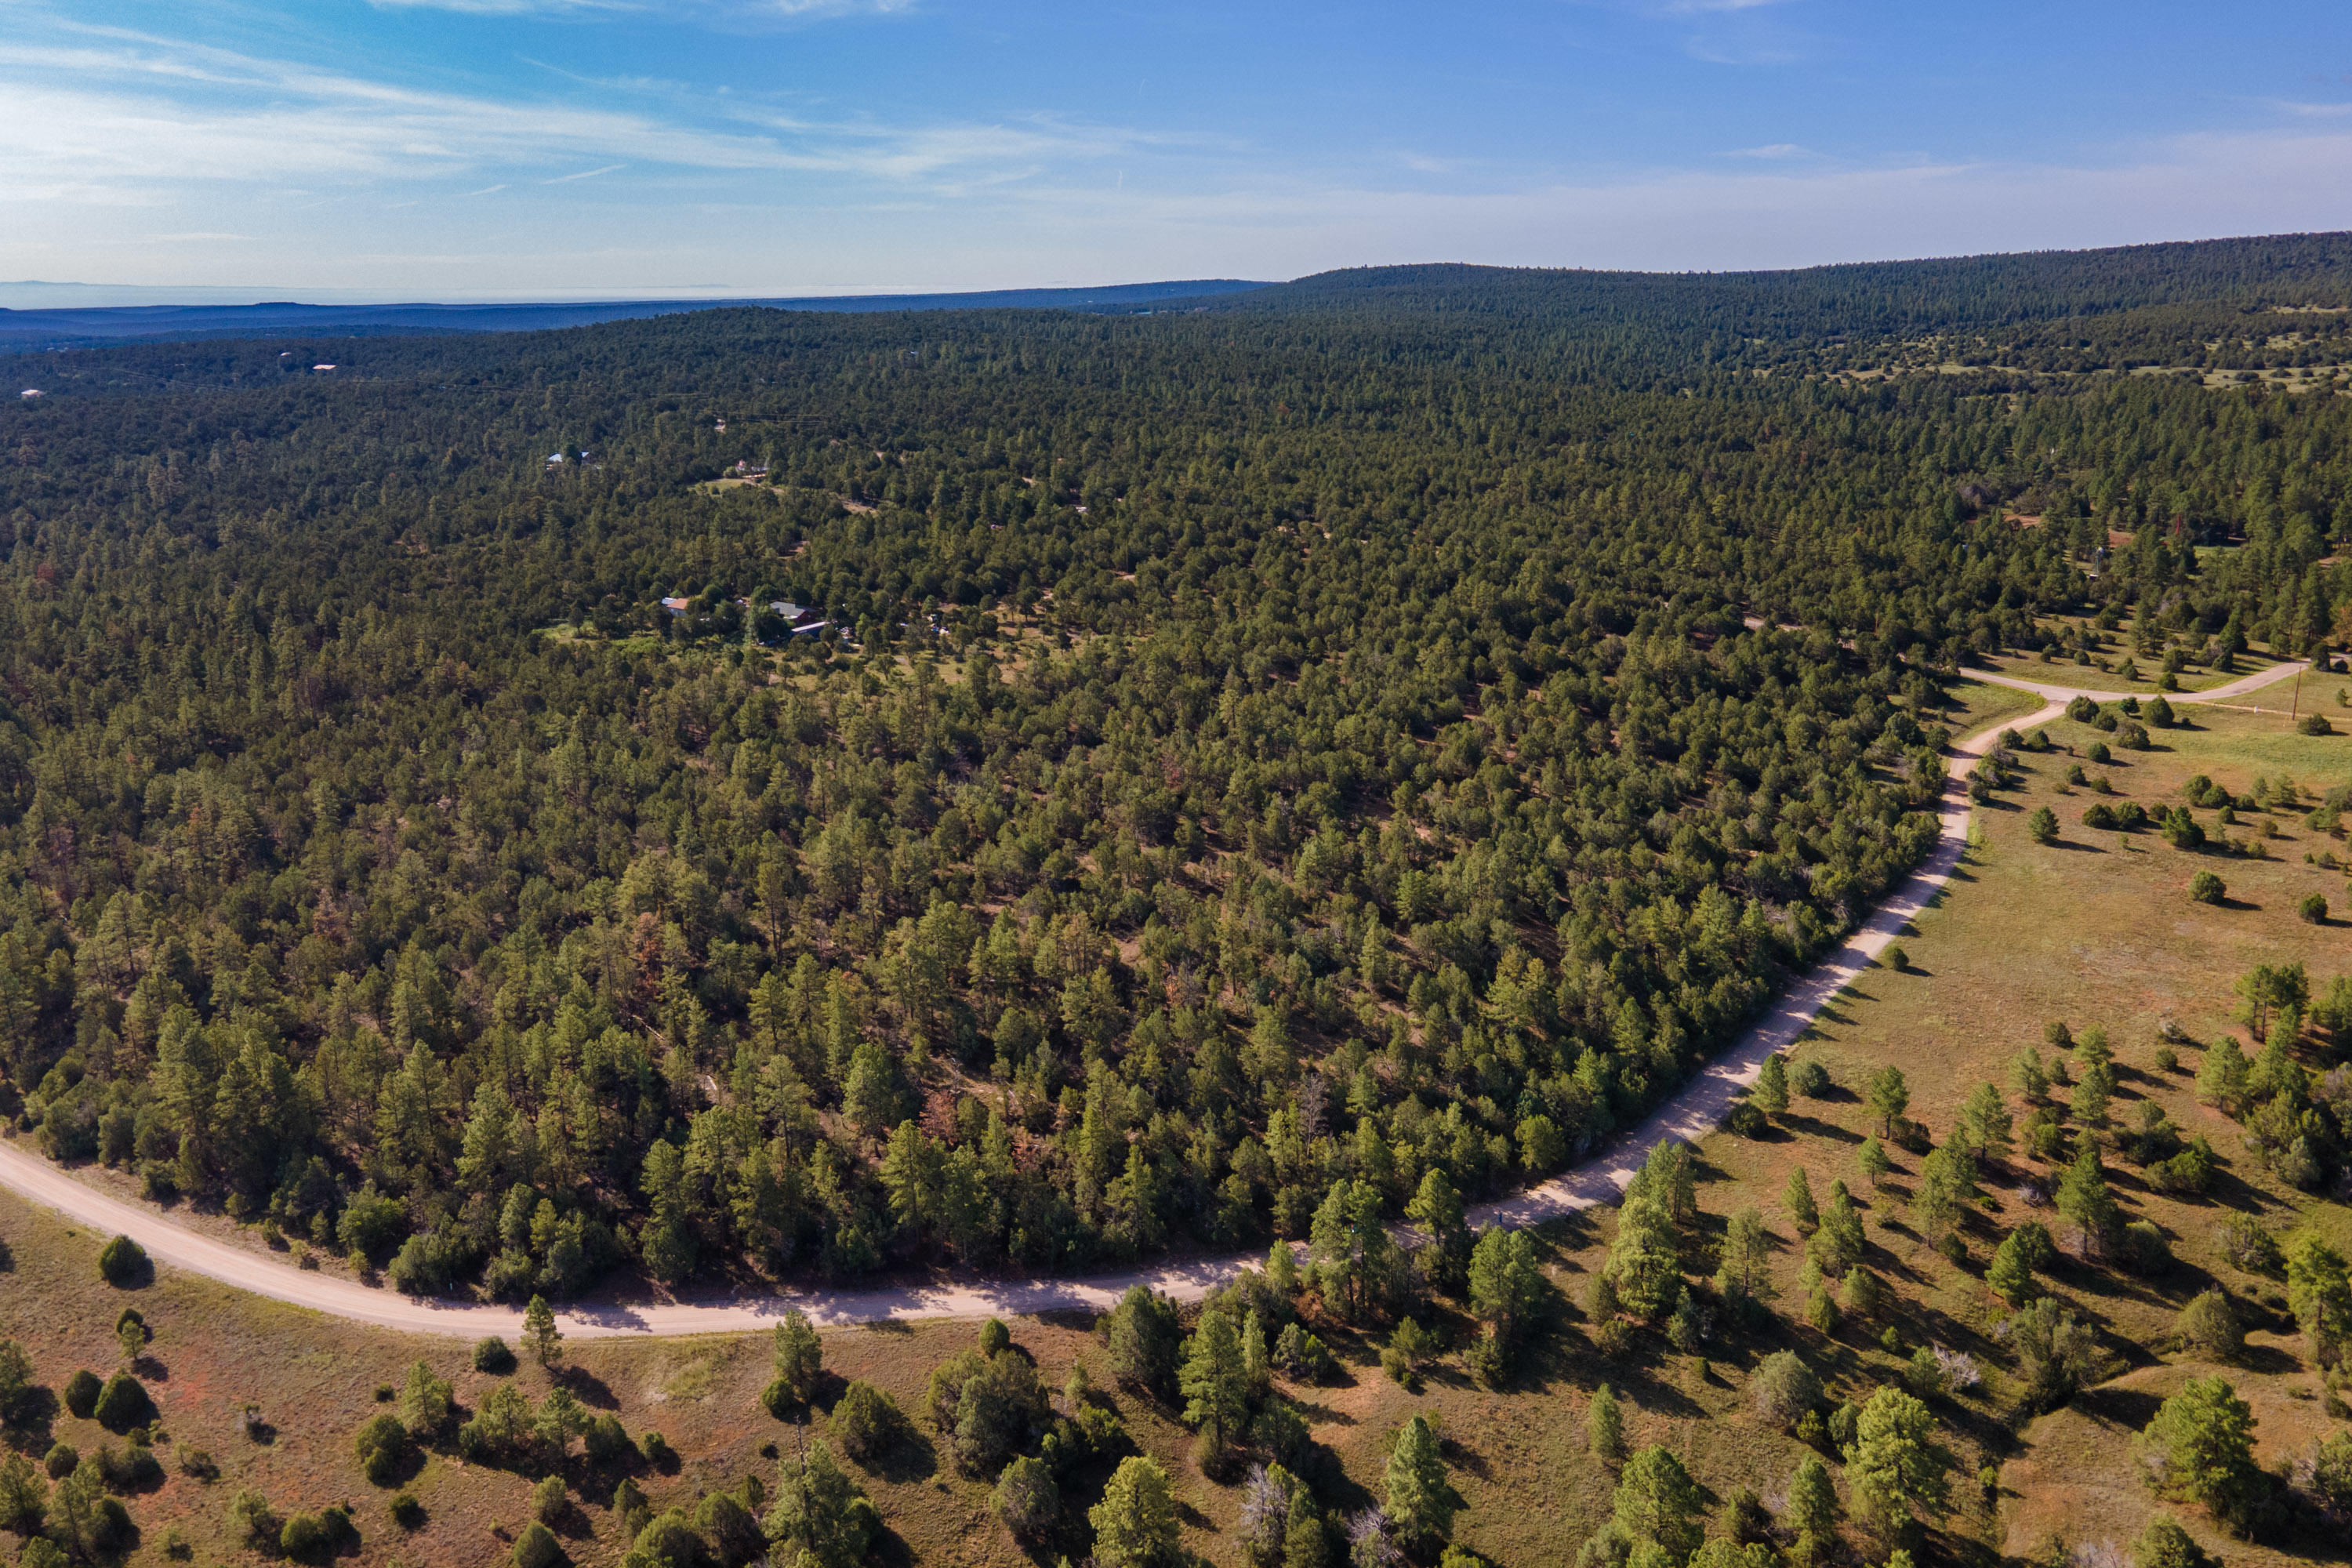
pixel 2129 1409
pixel 1813 1127
pixel 911 1455
pixel 586 1386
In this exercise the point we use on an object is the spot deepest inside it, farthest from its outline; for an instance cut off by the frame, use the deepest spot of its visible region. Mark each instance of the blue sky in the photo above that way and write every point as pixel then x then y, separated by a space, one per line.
pixel 465 149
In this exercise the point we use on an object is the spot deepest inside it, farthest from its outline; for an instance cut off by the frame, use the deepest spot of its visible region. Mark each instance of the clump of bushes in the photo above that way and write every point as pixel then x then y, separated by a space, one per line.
pixel 83 1390
pixel 381 1445
pixel 123 1263
pixel 494 1356
pixel 2207 888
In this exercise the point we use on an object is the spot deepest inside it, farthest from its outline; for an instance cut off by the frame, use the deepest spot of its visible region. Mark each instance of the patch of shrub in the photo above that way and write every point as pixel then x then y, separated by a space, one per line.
pixel 1028 1499
pixel 537 1547
pixel 198 1464
pixel 1303 1357
pixel 1810 1080
pixel 128 1469
pixel 2207 888
pixel 2313 910
pixel 866 1420
pixel 123 1263
pixel 252 1520
pixel 381 1445
pixel 495 1356
pixel 124 1404
pixel 605 1440
pixel 407 1512
pixel 60 1460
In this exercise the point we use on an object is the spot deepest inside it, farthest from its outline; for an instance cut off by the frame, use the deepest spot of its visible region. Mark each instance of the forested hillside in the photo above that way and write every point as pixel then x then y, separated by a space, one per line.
pixel 1255 753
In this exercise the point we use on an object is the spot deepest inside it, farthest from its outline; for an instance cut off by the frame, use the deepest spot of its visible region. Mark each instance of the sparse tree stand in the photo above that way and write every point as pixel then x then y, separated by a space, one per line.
pixel 540 1333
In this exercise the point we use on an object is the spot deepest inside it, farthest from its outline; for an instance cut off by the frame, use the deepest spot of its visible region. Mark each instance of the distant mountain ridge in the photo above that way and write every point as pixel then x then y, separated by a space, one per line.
pixel 1997 288
pixel 76 326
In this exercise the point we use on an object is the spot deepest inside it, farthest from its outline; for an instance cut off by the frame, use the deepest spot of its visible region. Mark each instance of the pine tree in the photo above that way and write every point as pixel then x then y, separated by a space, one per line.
pixel 1657 1502
pixel 541 1333
pixel 1895 1469
pixel 1605 1425
pixel 1873 1162
pixel 2200 1447
pixel 2083 1197
pixel 1257 1367
pixel 1215 1385
pixel 799 1355
pixel 1890 1097
pixel 2011 1275
pixel 1771 1094
pixel 1420 1500
pixel 821 1513
pixel 1813 1506
pixel 1837 1244
pixel 1135 1523
pixel 1985 1124
pixel 2320 1292
pixel 1797 1199
pixel 1744 1272
pixel 1646 1257
pixel 1504 1283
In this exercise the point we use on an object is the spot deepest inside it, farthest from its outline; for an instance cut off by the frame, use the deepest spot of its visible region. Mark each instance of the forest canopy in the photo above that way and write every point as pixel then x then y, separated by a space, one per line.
pixel 1332 737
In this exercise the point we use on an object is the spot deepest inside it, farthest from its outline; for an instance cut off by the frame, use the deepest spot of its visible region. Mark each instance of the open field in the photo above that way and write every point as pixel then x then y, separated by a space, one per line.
pixel 2097 929
pixel 2064 671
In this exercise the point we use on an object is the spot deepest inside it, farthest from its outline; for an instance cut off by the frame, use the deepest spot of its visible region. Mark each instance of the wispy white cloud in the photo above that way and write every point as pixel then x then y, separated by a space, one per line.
pixel 1771 150
pixel 131 108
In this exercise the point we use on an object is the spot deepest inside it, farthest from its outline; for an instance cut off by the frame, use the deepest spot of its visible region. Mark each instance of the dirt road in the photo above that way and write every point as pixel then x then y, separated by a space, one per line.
pixel 1691 1114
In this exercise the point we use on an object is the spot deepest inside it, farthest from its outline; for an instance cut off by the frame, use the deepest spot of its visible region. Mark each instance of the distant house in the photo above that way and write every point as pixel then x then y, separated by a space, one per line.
pixel 32 391
pixel 555 459
pixel 745 468
pixel 323 367
pixel 676 607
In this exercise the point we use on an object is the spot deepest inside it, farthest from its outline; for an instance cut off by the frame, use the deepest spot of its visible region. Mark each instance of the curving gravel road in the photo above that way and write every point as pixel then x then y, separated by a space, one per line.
pixel 1691 1114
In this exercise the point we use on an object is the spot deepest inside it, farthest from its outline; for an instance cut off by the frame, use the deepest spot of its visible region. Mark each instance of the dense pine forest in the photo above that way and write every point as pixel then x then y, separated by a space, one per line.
pixel 1369 737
